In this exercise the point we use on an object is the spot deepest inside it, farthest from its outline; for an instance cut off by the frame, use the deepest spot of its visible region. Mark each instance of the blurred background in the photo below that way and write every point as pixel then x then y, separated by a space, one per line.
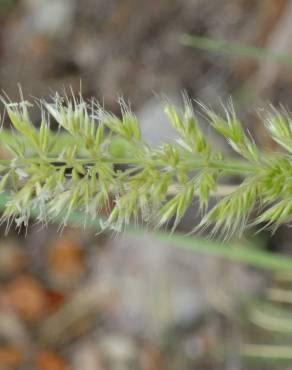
pixel 85 302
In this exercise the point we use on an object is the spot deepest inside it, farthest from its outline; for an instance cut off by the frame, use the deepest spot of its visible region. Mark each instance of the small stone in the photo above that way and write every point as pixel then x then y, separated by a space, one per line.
pixel 12 258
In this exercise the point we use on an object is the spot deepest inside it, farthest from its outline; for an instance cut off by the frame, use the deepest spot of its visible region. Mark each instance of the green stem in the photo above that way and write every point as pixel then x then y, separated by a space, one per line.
pixel 228 166
pixel 235 49
pixel 235 253
pixel 267 352
pixel 232 166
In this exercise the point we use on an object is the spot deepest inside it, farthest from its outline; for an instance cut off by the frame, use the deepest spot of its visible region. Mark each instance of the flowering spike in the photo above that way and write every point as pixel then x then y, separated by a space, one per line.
pixel 76 169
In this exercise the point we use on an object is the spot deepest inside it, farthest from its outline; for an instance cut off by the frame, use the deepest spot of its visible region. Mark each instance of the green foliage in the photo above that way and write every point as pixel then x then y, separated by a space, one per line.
pixel 76 168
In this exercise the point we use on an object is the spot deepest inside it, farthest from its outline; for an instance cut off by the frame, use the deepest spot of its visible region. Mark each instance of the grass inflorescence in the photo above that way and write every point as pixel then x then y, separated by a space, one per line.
pixel 99 164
